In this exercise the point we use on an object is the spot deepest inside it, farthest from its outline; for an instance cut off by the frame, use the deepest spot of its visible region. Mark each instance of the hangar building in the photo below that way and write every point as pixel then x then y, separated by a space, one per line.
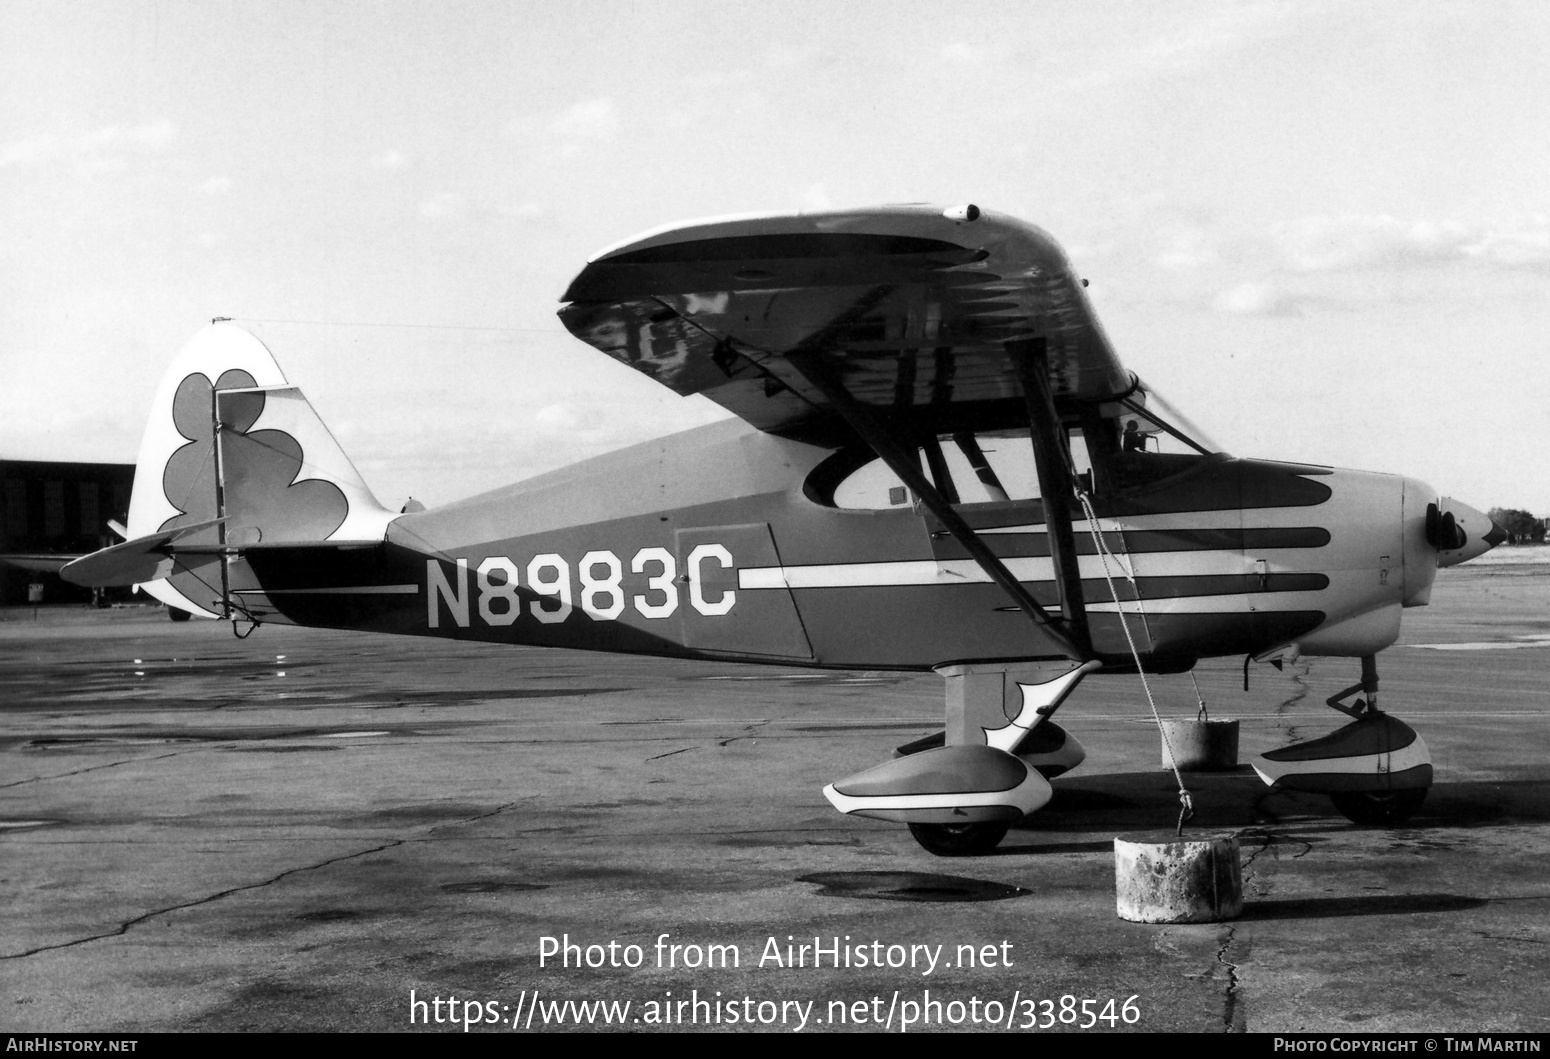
pixel 50 513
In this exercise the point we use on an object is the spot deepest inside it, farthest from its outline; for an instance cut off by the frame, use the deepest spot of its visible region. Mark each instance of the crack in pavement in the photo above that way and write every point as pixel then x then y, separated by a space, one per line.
pixel 1503 937
pixel 1299 670
pixel 1235 1009
pixel 1234 1013
pixel 1232 1017
pixel 123 928
pixel 98 768
pixel 1248 865
pixel 747 728
pixel 670 753
pixel 473 819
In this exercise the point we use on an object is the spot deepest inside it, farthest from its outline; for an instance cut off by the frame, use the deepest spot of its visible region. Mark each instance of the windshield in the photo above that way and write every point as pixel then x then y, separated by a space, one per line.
pixel 1146 413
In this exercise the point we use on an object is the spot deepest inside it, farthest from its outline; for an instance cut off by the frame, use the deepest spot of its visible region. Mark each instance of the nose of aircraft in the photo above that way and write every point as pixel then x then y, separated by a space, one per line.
pixel 1459 532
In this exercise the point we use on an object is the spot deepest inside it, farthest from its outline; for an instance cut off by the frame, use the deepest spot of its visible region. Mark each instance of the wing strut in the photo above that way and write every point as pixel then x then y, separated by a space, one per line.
pixel 1053 462
pixel 969 445
pixel 816 369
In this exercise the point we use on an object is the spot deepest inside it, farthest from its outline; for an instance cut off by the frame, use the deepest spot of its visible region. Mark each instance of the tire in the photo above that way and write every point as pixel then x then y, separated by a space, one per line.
pixel 959 840
pixel 1379 808
pixel 178 614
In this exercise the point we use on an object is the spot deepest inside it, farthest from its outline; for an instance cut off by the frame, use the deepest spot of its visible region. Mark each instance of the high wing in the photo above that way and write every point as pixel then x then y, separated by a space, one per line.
pixel 918 311
pixel 891 326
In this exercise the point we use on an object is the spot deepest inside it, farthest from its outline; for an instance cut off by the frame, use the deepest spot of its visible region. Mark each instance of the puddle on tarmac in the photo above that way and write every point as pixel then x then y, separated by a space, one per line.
pixel 910 886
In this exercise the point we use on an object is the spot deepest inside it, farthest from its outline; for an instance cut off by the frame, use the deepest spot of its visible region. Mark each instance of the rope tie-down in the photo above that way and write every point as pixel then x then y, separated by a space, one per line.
pixel 1186 802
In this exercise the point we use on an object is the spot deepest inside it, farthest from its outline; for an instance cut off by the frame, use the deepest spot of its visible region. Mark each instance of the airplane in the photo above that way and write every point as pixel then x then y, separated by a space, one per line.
pixel 938 462
pixel 54 562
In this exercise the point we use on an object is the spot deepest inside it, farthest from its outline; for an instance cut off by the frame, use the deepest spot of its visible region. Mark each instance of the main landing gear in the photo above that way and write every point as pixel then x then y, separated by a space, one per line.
pixel 959 840
pixel 1378 808
pixel 961 790
pixel 1376 770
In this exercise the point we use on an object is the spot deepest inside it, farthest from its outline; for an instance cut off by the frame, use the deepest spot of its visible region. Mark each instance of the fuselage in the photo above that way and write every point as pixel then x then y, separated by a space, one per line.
pixel 726 542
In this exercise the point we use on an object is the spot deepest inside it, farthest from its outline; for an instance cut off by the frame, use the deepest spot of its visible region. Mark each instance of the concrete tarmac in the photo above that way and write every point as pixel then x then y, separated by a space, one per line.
pixel 312 830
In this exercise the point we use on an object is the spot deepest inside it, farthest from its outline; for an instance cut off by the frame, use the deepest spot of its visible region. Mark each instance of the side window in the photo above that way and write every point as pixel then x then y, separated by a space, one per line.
pixel 1130 442
pixel 978 468
pixel 871 487
pixel 1107 456
pixel 1006 471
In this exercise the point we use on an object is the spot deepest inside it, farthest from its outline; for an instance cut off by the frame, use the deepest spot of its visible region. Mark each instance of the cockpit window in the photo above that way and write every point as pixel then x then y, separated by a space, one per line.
pixel 1119 446
pixel 1151 424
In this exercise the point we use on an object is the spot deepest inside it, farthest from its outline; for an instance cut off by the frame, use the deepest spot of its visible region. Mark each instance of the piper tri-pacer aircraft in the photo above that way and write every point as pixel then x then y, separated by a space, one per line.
pixel 938 463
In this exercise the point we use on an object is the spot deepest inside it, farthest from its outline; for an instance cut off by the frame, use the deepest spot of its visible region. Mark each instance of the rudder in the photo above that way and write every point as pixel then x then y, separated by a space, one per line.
pixel 230 439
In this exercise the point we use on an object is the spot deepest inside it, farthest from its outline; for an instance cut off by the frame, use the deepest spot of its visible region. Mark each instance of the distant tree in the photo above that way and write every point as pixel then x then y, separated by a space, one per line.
pixel 1520 526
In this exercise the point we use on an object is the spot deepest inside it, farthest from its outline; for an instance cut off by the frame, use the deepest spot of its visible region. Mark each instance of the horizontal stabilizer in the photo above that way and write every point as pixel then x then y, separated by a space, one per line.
pixel 133 562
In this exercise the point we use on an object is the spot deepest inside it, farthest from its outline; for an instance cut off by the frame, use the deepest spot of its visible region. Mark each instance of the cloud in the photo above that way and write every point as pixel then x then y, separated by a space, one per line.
pixel 816 199
pixel 1336 244
pixel 524 210
pixel 1354 243
pixel 1317 264
pixel 962 53
pixel 217 185
pixel 390 160
pixel 1525 247
pixel 1189 248
pixel 100 148
pixel 1334 262
pixel 562 136
pixel 451 206
pixel 1225 28
pixel 595 119
pixel 155 135
pixel 446 204
pixel 780 56
pixel 959 51
pixel 1256 299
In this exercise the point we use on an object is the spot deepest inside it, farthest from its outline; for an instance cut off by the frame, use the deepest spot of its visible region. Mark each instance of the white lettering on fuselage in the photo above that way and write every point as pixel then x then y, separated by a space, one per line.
pixel 696 582
pixel 599 575
pixel 436 585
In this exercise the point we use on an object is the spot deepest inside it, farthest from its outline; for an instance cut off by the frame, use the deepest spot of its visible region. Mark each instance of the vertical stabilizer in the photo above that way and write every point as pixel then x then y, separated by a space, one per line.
pixel 230 441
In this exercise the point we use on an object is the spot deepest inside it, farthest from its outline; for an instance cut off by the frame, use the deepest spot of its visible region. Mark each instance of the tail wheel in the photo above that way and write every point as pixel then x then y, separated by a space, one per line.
pixel 1380 808
pixel 959 840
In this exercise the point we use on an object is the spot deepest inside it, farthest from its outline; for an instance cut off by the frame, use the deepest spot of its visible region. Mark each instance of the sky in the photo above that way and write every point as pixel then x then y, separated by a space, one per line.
pixel 1322 230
